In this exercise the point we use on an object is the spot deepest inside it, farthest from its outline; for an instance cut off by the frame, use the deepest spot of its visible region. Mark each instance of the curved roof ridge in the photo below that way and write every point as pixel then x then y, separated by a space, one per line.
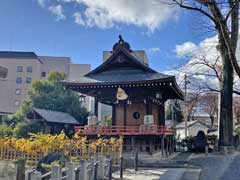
pixel 118 50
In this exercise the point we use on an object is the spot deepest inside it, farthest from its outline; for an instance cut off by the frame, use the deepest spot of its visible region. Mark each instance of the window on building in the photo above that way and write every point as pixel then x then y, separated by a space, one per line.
pixel 43 74
pixel 19 80
pixel 136 115
pixel 17 103
pixel 18 91
pixel 29 68
pixel 28 80
pixel 19 69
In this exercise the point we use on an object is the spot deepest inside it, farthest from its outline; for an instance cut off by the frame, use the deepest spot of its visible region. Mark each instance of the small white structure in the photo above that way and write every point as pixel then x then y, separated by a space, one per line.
pixel 148 119
pixel 193 127
pixel 92 120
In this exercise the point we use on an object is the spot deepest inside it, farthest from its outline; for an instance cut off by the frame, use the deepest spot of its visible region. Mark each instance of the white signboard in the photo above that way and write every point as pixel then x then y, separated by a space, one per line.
pixel 148 119
pixel 92 120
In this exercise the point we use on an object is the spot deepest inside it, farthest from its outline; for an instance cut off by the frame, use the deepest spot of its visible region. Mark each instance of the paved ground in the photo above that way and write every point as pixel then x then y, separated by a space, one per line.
pixel 215 166
pixel 218 166
pixel 160 174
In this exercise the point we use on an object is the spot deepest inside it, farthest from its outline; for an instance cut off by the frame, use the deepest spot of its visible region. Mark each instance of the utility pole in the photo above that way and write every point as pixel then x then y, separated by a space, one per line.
pixel 172 104
pixel 185 100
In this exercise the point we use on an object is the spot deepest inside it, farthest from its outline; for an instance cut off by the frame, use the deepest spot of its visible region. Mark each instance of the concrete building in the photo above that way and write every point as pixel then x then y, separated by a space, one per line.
pixel 23 68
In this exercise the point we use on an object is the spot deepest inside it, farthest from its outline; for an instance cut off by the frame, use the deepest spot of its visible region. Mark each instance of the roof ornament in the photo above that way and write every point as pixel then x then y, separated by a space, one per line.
pixel 121 43
pixel 121 94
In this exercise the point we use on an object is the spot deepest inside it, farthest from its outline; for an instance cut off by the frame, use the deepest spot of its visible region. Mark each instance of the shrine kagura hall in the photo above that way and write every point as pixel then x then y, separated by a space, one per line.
pixel 127 83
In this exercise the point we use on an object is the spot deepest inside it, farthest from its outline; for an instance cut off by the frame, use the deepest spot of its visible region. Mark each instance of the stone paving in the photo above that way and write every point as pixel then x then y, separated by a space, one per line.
pixel 151 174
pixel 215 166
pixel 218 166
pixel 160 174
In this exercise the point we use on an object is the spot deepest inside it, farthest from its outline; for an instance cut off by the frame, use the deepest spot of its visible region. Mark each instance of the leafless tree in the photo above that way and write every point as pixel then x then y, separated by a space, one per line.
pixel 191 103
pixel 236 109
pixel 212 73
pixel 209 104
pixel 224 14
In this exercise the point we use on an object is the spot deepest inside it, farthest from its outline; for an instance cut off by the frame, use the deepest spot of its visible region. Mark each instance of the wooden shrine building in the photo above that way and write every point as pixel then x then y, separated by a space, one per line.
pixel 126 82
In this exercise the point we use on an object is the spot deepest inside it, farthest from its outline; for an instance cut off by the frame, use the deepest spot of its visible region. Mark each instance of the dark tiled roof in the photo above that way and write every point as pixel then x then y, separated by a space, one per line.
pixel 18 55
pixel 130 58
pixel 190 123
pixel 55 116
pixel 15 54
pixel 122 67
pixel 119 76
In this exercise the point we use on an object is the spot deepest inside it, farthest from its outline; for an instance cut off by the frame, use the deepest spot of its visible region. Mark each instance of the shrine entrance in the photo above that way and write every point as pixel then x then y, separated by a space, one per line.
pixel 137 95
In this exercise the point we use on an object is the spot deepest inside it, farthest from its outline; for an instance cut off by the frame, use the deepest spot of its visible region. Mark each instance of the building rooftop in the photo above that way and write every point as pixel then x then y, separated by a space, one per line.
pixel 189 124
pixel 55 116
pixel 17 54
pixel 121 76
pixel 123 67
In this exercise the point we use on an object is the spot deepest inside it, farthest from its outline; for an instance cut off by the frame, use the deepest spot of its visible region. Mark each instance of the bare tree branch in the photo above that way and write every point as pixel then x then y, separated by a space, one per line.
pixel 181 4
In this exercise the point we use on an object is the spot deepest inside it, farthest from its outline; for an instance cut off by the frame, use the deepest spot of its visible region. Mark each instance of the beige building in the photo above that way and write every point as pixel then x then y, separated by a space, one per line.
pixel 23 68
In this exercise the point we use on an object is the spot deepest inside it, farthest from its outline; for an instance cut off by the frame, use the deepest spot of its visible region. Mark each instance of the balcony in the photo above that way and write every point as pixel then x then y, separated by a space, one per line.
pixel 123 130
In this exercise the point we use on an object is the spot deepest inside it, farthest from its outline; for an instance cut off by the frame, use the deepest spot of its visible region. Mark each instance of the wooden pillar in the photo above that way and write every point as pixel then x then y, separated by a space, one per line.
pixel 173 144
pixel 113 115
pixel 151 146
pixel 161 114
pixel 162 146
pixel 149 107
pixel 124 113
pixel 133 143
pixel 167 143
pixel 96 107
pixel 170 145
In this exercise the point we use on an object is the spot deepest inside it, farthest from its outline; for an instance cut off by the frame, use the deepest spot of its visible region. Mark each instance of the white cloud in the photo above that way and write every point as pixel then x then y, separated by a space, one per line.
pixel 41 2
pixel 78 18
pixel 185 49
pixel 153 50
pixel 108 13
pixel 201 76
pixel 57 11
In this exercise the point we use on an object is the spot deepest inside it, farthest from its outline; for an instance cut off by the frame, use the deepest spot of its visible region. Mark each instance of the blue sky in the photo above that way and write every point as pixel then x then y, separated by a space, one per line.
pixel 36 25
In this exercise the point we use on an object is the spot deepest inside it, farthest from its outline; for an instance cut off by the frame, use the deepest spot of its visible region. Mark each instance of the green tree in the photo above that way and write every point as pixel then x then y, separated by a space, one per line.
pixel 52 95
pixel 23 129
pixel 174 111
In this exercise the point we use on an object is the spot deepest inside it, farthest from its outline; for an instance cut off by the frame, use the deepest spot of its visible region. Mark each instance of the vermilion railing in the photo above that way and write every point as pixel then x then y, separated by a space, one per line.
pixel 123 130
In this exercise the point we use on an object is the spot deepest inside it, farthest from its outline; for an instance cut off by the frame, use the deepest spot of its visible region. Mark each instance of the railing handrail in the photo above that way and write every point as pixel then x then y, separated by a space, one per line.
pixel 124 130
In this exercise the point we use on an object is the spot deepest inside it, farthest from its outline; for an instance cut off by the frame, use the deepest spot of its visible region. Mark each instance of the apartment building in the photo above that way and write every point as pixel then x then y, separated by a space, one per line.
pixel 23 68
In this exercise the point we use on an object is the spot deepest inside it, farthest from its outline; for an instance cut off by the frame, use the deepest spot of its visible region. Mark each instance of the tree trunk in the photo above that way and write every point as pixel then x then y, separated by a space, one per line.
pixel 226 91
pixel 212 119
